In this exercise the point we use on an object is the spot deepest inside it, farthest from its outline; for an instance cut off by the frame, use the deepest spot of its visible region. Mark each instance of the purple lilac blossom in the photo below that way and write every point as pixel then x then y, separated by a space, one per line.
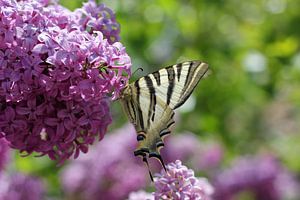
pixel 179 183
pixel 99 18
pixel 57 79
pixel 20 187
pixel 109 171
pixel 258 177
pixel 3 153
pixel 140 195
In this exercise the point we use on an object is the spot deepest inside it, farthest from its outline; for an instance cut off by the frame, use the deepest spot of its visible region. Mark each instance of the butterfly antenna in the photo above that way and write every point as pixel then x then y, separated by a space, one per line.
pixel 146 161
pixel 138 69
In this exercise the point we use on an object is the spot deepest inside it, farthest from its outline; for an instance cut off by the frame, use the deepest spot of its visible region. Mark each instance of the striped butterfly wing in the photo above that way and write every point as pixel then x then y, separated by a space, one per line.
pixel 149 103
pixel 174 84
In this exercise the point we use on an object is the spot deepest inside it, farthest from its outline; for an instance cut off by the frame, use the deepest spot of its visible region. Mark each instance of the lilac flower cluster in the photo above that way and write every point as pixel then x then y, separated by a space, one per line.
pixel 109 171
pixel 57 78
pixel 20 187
pixel 179 183
pixel 140 195
pixel 3 153
pixel 261 177
pixel 99 18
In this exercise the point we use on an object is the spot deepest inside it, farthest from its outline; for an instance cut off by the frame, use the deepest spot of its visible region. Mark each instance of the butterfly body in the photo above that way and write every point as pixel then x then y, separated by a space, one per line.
pixel 146 126
pixel 150 101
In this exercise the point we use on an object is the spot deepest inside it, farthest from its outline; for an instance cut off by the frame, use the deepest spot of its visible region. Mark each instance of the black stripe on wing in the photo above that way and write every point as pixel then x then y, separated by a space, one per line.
pixel 139 110
pixel 179 68
pixel 151 111
pixel 171 76
pixel 157 77
pixel 133 110
pixel 164 133
pixel 189 74
pixel 191 81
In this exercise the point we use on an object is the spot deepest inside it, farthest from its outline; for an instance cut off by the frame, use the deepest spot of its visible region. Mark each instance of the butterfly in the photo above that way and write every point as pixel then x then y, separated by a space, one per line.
pixel 150 102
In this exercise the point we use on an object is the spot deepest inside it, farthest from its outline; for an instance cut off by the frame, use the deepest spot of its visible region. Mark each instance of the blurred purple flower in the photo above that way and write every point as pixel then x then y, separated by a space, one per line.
pixel 109 171
pixel 188 148
pixel 140 195
pixel 181 147
pixel 3 153
pixel 20 187
pixel 179 183
pixel 261 177
pixel 210 157
pixel 57 79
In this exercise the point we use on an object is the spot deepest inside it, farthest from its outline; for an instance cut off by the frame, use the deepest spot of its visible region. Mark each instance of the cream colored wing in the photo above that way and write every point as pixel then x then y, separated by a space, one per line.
pixel 174 84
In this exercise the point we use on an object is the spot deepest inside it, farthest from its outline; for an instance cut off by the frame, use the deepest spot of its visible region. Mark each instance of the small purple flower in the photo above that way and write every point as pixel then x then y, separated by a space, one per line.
pixel 179 183
pixel 20 187
pixel 109 171
pixel 4 154
pixel 57 78
pixel 140 195
pixel 262 177
pixel 95 17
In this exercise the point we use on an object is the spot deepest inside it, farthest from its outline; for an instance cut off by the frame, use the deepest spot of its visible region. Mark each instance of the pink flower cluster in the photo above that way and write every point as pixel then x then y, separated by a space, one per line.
pixel 140 195
pixel 108 171
pixel 100 18
pixel 179 183
pixel 56 77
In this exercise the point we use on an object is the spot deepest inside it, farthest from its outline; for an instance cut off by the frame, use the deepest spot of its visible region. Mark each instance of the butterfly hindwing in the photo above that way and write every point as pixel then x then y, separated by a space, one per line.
pixel 149 102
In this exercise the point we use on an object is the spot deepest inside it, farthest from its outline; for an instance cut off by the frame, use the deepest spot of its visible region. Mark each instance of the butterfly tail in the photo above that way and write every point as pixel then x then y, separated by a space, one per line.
pixel 144 158
pixel 147 164
pixel 159 158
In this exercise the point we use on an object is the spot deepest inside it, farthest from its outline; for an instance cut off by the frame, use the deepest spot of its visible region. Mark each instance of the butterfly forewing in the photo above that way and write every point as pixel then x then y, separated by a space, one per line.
pixel 149 102
pixel 174 84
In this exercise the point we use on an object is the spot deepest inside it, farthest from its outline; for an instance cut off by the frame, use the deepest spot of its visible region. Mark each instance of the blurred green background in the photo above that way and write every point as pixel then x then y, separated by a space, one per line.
pixel 250 102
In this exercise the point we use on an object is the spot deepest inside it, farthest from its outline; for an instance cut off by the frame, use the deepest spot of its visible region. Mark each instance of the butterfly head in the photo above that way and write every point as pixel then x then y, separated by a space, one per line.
pixel 126 92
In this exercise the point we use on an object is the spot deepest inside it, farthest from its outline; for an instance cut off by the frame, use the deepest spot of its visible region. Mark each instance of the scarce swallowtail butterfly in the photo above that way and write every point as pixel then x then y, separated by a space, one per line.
pixel 150 102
